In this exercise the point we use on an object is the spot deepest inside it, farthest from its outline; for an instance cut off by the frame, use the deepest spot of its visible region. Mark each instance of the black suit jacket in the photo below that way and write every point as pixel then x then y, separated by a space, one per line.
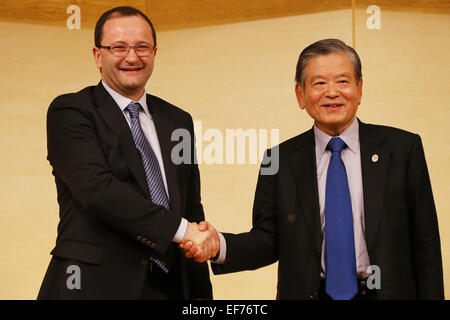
pixel 401 225
pixel 108 225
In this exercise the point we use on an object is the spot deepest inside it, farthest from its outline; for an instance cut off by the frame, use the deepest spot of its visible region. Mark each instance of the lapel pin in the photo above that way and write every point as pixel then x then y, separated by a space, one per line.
pixel 375 158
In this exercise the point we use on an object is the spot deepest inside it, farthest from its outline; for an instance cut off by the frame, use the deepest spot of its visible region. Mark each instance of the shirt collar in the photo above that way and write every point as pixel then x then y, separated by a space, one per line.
pixel 350 137
pixel 123 102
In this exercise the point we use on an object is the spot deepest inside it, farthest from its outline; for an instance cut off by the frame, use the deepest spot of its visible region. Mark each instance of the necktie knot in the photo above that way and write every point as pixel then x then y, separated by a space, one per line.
pixel 133 108
pixel 336 144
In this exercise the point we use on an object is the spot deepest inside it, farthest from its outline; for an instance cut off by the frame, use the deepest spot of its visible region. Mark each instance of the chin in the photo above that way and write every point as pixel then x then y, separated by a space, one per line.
pixel 132 85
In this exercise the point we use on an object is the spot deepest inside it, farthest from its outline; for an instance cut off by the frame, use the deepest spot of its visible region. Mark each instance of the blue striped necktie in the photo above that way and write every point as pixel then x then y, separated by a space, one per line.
pixel 151 166
pixel 341 281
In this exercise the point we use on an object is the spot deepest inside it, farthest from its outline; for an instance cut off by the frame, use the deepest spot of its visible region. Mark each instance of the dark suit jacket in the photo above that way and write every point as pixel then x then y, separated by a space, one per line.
pixel 400 219
pixel 108 225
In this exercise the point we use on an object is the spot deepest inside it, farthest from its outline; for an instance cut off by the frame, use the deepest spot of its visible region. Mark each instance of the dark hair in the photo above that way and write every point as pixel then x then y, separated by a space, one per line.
pixel 119 12
pixel 325 47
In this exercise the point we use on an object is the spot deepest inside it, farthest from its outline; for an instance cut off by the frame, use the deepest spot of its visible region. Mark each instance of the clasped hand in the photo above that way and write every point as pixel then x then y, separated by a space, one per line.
pixel 200 242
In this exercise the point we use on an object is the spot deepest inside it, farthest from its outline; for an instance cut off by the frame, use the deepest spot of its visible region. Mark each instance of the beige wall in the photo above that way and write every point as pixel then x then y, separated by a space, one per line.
pixel 229 76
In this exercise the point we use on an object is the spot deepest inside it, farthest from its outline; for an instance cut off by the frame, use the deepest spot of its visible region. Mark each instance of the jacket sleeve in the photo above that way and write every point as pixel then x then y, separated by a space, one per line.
pixel 258 247
pixel 198 273
pixel 426 248
pixel 77 158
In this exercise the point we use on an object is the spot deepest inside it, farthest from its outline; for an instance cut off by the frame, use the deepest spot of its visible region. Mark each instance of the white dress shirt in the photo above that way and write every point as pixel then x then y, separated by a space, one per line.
pixel 148 126
pixel 351 157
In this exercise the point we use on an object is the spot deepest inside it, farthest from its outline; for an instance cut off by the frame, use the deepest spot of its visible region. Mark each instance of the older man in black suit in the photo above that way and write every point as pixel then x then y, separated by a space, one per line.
pixel 348 199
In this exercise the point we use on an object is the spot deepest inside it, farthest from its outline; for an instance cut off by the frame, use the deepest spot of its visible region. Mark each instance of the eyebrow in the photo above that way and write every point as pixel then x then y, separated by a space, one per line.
pixel 344 74
pixel 138 42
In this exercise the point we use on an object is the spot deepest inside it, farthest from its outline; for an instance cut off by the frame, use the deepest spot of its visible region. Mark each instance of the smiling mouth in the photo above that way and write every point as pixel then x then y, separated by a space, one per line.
pixel 130 69
pixel 333 105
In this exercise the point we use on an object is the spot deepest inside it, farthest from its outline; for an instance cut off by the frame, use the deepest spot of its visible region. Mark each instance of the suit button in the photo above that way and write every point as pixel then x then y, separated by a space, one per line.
pixel 313 296
pixel 144 262
pixel 153 245
pixel 139 238
pixel 144 240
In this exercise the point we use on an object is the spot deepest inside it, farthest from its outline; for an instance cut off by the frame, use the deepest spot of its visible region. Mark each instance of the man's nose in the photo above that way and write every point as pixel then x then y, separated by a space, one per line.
pixel 131 56
pixel 332 92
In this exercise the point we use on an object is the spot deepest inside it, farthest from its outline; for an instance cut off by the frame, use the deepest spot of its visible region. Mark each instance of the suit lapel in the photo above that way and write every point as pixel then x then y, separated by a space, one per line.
pixel 116 121
pixel 303 165
pixel 165 125
pixel 375 167
pixel 374 176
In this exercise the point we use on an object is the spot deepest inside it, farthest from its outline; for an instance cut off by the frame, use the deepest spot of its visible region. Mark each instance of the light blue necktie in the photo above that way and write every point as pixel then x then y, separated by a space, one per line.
pixel 341 281
pixel 151 166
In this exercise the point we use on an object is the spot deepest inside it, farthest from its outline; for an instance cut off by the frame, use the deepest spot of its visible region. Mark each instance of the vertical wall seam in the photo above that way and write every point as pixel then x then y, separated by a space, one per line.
pixel 353 24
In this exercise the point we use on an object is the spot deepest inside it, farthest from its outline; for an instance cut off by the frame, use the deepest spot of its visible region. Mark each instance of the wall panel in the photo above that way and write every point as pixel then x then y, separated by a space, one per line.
pixel 228 76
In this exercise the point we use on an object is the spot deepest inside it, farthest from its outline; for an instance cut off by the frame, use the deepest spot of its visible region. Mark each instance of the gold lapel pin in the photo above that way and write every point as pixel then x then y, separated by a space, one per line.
pixel 375 158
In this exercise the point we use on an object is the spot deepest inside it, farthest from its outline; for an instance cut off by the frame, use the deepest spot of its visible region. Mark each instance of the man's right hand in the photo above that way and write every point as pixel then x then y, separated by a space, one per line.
pixel 200 242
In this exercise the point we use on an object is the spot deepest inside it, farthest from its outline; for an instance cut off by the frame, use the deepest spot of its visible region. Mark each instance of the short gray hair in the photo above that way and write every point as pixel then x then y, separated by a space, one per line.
pixel 325 47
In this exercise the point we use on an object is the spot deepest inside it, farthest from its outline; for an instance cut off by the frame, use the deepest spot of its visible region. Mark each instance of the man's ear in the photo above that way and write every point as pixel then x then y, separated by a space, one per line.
pixel 97 58
pixel 299 93
pixel 360 85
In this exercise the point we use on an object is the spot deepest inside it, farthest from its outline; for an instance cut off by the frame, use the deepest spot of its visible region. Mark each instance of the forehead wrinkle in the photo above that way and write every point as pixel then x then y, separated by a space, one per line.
pixel 344 74
pixel 139 42
pixel 317 76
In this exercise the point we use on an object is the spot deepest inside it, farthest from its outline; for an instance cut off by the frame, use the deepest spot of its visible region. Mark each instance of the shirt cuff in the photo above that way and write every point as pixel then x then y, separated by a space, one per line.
pixel 222 251
pixel 181 231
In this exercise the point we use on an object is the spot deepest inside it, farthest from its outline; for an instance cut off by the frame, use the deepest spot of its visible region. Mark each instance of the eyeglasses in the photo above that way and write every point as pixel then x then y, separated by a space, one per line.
pixel 122 51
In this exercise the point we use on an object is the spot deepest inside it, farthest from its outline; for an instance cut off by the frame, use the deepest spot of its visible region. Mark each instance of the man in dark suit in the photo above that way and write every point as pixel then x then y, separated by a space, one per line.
pixel 370 197
pixel 124 203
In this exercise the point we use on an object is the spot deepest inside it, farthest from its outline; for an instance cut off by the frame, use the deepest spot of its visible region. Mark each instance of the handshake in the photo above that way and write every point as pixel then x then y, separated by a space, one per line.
pixel 200 242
